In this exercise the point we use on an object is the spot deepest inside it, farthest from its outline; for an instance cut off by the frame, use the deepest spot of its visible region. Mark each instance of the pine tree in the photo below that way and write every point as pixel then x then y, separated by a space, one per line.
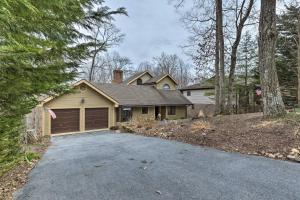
pixel 247 64
pixel 41 47
pixel 287 53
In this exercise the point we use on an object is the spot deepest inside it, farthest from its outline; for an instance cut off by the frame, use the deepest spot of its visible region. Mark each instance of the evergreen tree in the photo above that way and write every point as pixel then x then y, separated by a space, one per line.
pixel 247 65
pixel 42 44
pixel 287 48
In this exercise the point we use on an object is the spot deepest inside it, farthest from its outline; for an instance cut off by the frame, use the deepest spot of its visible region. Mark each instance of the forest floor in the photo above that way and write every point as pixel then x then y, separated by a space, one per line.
pixel 16 176
pixel 246 133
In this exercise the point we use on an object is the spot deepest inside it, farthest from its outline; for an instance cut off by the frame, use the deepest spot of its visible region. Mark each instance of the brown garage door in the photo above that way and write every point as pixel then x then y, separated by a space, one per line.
pixel 96 118
pixel 67 120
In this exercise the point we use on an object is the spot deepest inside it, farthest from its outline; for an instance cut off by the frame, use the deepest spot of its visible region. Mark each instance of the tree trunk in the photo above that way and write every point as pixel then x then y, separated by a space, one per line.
pixel 92 69
pixel 298 59
pixel 271 94
pixel 246 85
pixel 231 75
pixel 220 35
pixel 217 74
pixel 234 50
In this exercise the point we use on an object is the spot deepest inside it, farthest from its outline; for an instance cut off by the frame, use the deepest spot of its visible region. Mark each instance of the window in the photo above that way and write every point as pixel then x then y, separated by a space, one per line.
pixel 166 87
pixel 188 93
pixel 144 110
pixel 172 110
pixel 139 81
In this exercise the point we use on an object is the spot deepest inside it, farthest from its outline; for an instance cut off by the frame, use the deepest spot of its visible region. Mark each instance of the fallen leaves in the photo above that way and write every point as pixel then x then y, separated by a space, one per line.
pixel 246 133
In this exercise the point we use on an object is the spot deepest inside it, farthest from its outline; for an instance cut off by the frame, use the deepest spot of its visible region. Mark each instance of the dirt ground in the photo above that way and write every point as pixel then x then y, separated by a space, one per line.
pixel 245 133
pixel 17 177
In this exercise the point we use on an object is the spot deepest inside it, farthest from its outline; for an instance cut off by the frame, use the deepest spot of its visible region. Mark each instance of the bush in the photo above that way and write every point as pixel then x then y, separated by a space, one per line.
pixel 114 128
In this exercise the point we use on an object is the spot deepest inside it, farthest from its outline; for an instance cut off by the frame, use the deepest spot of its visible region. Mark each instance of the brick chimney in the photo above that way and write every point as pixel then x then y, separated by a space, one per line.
pixel 117 76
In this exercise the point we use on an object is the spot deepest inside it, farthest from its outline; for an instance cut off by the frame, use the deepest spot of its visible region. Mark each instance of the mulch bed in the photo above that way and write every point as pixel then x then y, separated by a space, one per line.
pixel 17 177
pixel 246 133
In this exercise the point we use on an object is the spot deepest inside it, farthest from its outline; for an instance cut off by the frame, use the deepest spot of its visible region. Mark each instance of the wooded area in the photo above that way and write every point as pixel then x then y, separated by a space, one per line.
pixel 222 47
pixel 244 47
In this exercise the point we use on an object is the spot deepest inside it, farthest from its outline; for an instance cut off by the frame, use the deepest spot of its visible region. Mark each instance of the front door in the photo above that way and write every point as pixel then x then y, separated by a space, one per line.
pixel 156 112
pixel 163 112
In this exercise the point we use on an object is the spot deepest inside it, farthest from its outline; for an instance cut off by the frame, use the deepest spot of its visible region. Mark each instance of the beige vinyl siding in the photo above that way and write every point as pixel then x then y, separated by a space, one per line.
pixel 164 81
pixel 137 113
pixel 144 78
pixel 200 97
pixel 91 98
pixel 180 113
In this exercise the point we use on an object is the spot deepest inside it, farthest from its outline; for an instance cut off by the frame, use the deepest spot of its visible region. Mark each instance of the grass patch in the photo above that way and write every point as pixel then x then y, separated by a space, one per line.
pixel 292 117
pixel 30 156
pixel 9 163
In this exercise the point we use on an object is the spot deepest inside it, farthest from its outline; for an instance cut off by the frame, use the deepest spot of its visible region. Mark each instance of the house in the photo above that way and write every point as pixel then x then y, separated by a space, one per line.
pixel 93 106
pixel 202 97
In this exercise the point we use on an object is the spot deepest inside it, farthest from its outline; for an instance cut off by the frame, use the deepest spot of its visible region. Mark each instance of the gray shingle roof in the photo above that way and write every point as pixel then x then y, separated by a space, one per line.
pixel 199 86
pixel 142 95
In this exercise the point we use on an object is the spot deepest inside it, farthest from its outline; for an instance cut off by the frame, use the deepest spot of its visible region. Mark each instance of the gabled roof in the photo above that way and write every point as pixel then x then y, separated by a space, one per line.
pixel 88 84
pixel 143 95
pixel 157 79
pixel 136 76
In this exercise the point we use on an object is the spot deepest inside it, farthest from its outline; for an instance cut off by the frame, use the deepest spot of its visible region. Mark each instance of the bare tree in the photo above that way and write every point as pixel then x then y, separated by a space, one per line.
pixel 199 21
pixel 169 64
pixel 216 31
pixel 221 56
pixel 242 13
pixel 173 65
pixel 103 38
pixel 146 65
pixel 105 64
pixel 271 94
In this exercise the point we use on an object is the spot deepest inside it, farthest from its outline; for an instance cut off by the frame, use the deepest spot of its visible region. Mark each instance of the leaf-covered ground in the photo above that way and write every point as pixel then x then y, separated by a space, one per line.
pixel 246 133
pixel 17 176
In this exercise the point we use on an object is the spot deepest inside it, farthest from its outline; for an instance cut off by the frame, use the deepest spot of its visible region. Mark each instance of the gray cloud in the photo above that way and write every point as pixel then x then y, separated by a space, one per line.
pixel 153 26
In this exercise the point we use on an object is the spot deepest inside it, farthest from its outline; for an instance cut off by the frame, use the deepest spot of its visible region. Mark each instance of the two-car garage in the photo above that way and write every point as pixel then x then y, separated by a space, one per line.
pixel 68 120
pixel 85 109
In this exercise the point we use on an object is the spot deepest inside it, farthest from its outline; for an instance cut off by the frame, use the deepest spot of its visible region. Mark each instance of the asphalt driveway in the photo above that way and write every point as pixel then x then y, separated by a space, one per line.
pixel 109 166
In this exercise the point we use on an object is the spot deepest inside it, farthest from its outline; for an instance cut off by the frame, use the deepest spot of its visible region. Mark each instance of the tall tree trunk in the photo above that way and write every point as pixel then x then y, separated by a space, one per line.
pixel 298 59
pixel 246 84
pixel 92 69
pixel 240 25
pixel 217 74
pixel 220 35
pixel 271 94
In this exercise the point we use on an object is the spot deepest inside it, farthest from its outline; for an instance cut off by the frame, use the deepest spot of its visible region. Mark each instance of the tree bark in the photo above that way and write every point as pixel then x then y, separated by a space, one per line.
pixel 220 35
pixel 234 49
pixel 298 60
pixel 217 74
pixel 271 94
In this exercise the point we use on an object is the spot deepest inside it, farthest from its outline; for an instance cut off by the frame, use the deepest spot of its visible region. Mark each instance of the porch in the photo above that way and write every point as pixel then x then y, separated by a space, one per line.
pixel 133 113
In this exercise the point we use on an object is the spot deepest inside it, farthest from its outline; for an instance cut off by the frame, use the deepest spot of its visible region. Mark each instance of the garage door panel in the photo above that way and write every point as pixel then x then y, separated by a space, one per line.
pixel 96 118
pixel 67 120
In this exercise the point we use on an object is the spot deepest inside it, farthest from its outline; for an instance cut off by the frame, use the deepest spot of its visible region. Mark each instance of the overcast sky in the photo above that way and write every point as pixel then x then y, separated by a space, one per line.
pixel 153 26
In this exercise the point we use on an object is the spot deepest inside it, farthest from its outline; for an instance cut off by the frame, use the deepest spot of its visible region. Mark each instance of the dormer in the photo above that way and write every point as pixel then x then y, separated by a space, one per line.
pixel 163 82
pixel 139 78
